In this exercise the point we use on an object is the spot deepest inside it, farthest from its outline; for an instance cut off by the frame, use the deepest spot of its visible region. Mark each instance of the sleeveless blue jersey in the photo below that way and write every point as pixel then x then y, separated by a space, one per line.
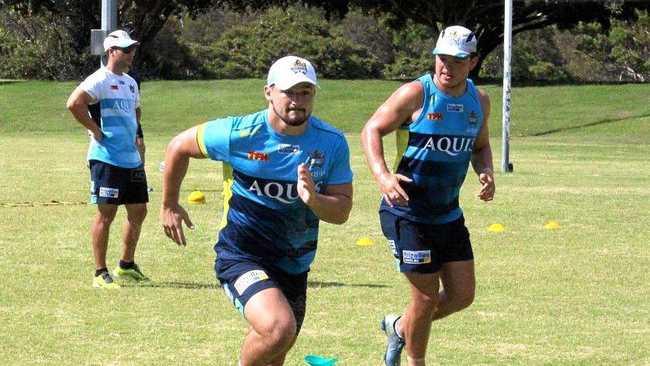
pixel 266 219
pixel 435 151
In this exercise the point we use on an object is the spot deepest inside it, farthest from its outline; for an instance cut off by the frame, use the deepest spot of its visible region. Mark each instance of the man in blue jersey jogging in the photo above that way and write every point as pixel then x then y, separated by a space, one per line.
pixel 289 171
pixel 116 171
pixel 441 124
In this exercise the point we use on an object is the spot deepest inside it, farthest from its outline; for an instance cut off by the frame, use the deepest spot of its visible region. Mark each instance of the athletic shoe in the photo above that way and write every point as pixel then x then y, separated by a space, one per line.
pixel 104 280
pixel 395 343
pixel 131 274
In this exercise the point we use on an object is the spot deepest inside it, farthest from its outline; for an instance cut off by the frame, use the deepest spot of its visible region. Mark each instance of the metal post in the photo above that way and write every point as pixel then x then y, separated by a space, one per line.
pixel 109 15
pixel 506 166
pixel 109 22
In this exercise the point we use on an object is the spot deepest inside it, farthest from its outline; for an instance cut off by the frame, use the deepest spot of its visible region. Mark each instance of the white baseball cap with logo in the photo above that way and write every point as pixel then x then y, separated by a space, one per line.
pixel 456 41
pixel 289 71
pixel 118 38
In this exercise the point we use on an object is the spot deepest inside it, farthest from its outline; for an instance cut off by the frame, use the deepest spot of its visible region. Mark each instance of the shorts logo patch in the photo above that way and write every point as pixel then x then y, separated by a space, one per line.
pixel 109 192
pixel 138 176
pixel 416 256
pixel 247 279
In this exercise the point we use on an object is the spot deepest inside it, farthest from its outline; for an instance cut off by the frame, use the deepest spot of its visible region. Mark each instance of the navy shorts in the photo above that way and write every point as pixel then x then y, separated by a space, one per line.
pixel 116 186
pixel 424 248
pixel 241 279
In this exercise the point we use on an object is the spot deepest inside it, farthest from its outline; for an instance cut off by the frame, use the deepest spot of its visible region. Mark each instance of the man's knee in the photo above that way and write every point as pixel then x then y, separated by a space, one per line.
pixel 136 213
pixel 462 299
pixel 280 333
pixel 105 215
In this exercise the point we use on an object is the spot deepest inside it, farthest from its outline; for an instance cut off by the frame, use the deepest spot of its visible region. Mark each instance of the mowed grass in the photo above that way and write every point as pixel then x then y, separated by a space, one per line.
pixel 577 295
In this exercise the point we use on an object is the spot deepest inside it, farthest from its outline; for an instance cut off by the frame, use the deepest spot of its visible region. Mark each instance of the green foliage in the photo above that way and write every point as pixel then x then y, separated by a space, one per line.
pixel 370 33
pixel 631 46
pixel 173 59
pixel 413 45
pixel 407 67
pixel 622 53
pixel 248 50
pixel 49 40
pixel 535 56
pixel 38 47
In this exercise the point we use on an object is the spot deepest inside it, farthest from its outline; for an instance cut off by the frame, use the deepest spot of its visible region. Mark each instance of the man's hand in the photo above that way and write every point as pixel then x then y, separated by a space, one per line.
pixel 306 186
pixel 392 191
pixel 486 179
pixel 96 134
pixel 172 218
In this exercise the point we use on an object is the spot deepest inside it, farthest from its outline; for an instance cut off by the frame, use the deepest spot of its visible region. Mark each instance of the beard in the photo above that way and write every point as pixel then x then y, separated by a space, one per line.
pixel 292 121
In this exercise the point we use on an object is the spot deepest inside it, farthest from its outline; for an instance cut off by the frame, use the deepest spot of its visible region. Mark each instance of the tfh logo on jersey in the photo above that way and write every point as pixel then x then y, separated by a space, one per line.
pixel 435 116
pixel 281 191
pixel 257 155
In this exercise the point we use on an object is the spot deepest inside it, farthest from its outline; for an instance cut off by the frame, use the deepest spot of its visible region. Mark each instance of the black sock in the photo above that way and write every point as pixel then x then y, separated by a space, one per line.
pixel 126 265
pixel 100 271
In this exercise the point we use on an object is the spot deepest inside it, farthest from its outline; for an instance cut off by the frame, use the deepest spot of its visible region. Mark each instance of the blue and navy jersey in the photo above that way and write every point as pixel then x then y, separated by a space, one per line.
pixel 118 97
pixel 266 219
pixel 435 151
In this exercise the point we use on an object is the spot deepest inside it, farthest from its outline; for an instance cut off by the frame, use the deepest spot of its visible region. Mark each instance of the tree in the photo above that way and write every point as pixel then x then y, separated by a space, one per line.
pixel 484 17
pixel 145 17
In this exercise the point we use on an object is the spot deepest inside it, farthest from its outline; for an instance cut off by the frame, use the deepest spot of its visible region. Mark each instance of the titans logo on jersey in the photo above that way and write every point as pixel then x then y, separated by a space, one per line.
pixel 266 219
pixel 435 151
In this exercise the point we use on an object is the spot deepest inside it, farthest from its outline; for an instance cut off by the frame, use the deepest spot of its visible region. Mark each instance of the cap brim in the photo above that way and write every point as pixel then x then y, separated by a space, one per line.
pixel 121 44
pixel 127 43
pixel 451 52
pixel 287 84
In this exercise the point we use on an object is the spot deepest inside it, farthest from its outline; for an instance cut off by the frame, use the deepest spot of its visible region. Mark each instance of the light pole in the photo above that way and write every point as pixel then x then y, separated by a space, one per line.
pixel 506 165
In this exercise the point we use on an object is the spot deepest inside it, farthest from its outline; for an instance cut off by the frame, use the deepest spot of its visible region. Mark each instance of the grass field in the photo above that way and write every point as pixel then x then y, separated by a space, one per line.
pixel 577 295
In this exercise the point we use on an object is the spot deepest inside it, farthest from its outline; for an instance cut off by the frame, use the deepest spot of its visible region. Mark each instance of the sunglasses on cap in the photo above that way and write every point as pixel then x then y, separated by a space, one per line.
pixel 126 49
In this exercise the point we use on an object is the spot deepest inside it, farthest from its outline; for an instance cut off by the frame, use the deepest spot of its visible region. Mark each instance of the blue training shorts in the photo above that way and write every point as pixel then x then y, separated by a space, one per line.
pixel 110 184
pixel 424 248
pixel 241 279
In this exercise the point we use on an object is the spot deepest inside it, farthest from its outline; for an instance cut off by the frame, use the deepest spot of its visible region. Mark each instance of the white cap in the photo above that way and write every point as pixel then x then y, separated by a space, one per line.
pixel 118 38
pixel 456 41
pixel 289 71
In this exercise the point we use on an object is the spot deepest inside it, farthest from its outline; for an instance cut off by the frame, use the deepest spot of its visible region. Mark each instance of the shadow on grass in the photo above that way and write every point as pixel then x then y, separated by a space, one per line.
pixel 590 124
pixel 215 285
pixel 324 284
pixel 176 284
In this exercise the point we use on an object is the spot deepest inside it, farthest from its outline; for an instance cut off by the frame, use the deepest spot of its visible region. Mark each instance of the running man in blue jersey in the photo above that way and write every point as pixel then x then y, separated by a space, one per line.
pixel 441 123
pixel 117 175
pixel 289 171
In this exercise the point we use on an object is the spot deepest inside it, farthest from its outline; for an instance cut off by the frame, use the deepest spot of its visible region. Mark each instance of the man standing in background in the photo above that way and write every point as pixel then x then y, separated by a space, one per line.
pixel 116 171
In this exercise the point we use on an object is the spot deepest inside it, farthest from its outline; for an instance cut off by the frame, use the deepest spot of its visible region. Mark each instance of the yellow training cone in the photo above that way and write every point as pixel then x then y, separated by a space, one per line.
pixel 552 225
pixel 196 197
pixel 365 241
pixel 496 228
